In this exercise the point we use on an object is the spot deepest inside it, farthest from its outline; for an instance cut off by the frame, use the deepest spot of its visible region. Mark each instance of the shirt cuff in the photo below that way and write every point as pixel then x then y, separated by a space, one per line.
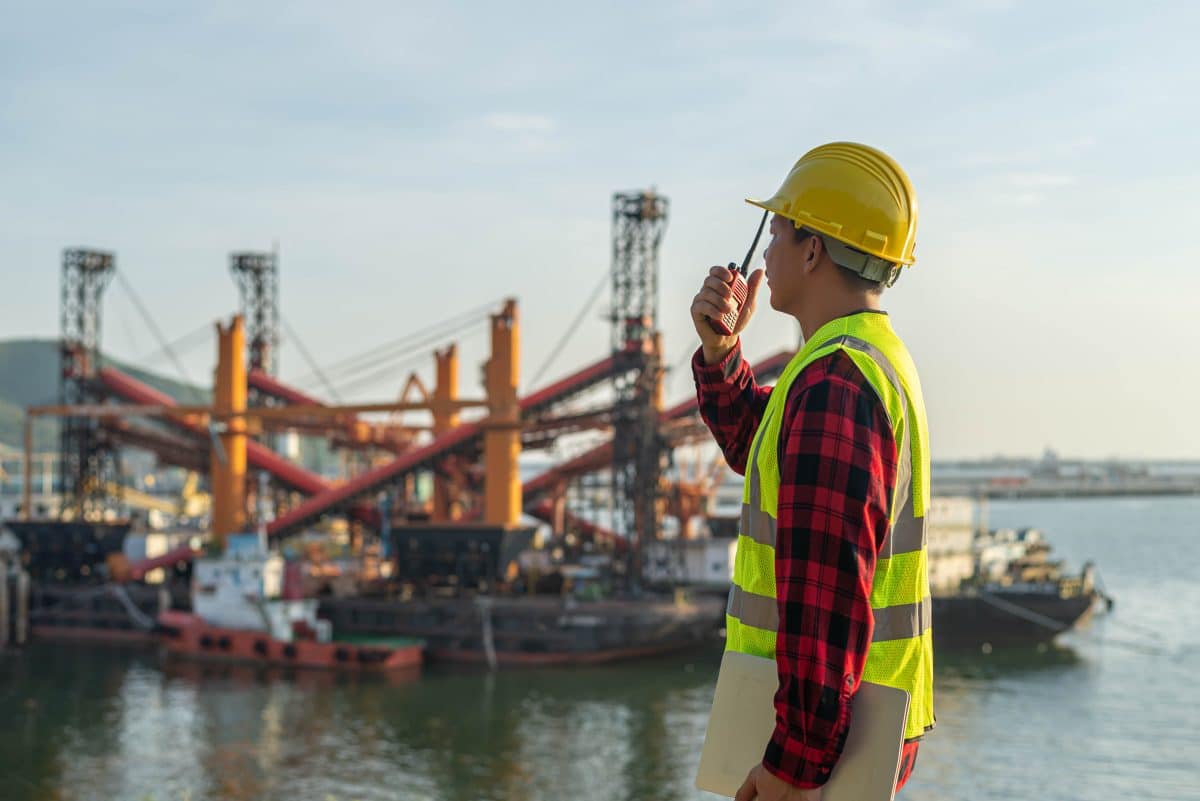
pixel 722 371
pixel 795 762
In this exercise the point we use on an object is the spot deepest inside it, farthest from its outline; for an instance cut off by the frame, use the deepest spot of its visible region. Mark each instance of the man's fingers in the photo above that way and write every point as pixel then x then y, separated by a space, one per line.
pixel 723 273
pixel 748 791
pixel 723 302
pixel 704 308
pixel 718 285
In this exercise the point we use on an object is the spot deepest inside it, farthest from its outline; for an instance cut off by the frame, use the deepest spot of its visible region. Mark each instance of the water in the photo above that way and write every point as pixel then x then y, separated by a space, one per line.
pixel 1112 714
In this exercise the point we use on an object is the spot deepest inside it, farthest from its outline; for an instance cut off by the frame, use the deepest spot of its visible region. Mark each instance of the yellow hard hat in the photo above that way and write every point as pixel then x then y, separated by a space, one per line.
pixel 856 195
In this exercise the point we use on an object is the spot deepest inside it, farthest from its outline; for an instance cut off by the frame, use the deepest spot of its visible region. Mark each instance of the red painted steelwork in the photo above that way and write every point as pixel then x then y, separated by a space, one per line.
pixel 184 553
pixel 258 456
pixel 576 382
pixel 589 461
pixel 544 510
pixel 259 380
pixel 179 449
pixel 315 506
pixel 355 432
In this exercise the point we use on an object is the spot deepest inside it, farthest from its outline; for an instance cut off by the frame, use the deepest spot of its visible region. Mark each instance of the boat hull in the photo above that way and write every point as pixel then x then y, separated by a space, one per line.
pixel 534 631
pixel 187 635
pixel 1006 619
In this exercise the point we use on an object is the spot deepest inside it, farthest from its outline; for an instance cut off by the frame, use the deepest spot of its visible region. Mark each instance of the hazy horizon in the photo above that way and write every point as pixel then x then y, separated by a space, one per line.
pixel 415 161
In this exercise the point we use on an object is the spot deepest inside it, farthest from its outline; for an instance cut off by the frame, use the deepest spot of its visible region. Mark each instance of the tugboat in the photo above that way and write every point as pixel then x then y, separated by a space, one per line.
pixel 1016 596
pixel 247 606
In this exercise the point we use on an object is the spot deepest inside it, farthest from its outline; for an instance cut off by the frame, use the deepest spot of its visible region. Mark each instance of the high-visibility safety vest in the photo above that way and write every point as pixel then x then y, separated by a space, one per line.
pixel 901 651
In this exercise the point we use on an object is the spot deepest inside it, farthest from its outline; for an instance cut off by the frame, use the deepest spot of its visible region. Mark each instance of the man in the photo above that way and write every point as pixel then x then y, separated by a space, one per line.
pixel 830 578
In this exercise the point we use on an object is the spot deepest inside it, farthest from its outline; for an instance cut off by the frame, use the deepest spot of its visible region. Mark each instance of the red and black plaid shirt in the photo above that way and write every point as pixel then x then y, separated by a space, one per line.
pixel 837 470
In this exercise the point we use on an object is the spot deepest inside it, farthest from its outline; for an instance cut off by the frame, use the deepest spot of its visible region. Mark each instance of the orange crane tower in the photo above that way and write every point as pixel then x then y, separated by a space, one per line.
pixel 228 471
pixel 502 441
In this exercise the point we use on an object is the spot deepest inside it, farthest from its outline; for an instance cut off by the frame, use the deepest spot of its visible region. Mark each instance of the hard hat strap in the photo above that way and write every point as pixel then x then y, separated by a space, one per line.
pixel 870 267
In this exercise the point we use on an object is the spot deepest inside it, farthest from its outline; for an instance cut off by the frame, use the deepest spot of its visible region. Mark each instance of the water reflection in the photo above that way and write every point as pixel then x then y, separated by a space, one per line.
pixel 137 724
pixel 1005 661
pixel 106 723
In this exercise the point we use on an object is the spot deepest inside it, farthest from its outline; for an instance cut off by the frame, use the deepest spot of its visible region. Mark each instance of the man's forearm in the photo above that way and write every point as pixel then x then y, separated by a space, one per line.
pixel 730 402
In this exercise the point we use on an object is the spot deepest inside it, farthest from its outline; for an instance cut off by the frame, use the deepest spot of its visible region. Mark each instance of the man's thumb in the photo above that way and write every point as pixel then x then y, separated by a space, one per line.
pixel 747 311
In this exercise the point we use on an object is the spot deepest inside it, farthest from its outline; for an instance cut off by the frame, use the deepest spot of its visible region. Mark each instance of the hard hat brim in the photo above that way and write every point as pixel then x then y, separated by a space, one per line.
pixel 816 226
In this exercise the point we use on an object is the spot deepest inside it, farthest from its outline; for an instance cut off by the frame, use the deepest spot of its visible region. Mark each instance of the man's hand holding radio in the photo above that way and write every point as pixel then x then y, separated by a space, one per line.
pixel 714 300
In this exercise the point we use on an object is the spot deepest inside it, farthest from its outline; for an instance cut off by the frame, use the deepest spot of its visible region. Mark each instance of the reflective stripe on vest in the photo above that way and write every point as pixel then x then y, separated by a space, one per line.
pixel 901 649
pixel 891 622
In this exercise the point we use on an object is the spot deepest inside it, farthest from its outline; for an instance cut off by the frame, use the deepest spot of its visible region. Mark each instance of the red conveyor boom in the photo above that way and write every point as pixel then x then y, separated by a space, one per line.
pixel 459 437
pixel 573 384
pixel 317 505
pixel 272 386
pixel 545 511
pixel 259 456
pixel 184 553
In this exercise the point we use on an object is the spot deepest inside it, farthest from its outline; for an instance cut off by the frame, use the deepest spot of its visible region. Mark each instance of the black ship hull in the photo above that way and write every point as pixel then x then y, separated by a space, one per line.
pixel 531 631
pixel 1006 618
pixel 67 551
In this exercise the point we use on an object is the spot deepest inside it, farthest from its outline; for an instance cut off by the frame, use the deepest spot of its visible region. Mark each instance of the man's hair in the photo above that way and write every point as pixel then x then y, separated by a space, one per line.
pixel 852 279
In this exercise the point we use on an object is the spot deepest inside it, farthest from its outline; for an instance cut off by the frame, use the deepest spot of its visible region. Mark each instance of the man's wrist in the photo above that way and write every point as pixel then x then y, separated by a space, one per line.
pixel 716 355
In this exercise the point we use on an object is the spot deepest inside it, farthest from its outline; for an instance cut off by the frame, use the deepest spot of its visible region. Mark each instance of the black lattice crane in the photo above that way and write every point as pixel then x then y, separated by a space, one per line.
pixel 639 220
pixel 87 460
pixel 257 278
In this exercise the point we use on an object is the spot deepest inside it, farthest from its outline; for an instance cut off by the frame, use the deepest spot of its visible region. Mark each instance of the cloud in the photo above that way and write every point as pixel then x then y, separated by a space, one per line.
pixel 521 134
pixel 520 124
pixel 1040 180
pixel 1027 198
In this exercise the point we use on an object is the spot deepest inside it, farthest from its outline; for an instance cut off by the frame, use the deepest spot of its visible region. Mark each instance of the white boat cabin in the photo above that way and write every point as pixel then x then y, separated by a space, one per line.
pixel 243 588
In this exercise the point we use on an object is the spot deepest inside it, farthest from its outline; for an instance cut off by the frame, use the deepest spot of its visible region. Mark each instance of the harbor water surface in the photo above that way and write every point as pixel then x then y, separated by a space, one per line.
pixel 1110 713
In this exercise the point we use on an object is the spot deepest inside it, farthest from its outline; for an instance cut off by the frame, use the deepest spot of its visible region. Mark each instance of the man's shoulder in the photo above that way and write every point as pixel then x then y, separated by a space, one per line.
pixel 833 382
pixel 834 368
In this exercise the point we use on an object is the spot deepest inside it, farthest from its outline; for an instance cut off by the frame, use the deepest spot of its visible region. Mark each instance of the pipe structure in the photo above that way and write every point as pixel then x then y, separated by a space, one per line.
pixel 347 430
pixel 258 455
pixel 445 417
pixel 502 438
pixel 228 471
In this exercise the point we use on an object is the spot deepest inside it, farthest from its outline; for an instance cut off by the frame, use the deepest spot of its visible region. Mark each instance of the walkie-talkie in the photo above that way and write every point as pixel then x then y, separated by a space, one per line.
pixel 726 322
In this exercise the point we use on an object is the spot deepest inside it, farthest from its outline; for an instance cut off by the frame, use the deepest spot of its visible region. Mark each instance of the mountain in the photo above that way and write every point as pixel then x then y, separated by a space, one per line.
pixel 29 376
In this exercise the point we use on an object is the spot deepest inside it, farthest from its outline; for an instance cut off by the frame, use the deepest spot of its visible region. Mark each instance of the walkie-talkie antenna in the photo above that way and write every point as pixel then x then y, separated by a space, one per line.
pixel 754 245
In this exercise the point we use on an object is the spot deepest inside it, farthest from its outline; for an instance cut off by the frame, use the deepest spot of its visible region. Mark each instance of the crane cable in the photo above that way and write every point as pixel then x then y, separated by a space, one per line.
pixel 571 329
pixel 157 332
pixel 304 353
pixel 400 346
pixel 181 344
pixel 370 356
pixel 380 367
pixel 393 367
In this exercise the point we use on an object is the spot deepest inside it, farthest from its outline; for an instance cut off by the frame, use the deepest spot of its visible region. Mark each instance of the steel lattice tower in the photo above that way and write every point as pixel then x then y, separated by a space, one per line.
pixel 257 278
pixel 639 220
pixel 88 461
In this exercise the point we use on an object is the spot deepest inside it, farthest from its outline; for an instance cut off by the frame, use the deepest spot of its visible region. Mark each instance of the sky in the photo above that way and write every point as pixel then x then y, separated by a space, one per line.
pixel 412 162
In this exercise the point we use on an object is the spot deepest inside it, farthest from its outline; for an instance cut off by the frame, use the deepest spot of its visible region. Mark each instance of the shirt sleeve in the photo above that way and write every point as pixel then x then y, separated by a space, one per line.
pixel 731 403
pixel 837 475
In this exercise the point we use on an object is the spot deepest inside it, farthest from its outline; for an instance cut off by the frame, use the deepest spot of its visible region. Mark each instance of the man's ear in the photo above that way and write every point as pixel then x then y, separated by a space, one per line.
pixel 814 247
